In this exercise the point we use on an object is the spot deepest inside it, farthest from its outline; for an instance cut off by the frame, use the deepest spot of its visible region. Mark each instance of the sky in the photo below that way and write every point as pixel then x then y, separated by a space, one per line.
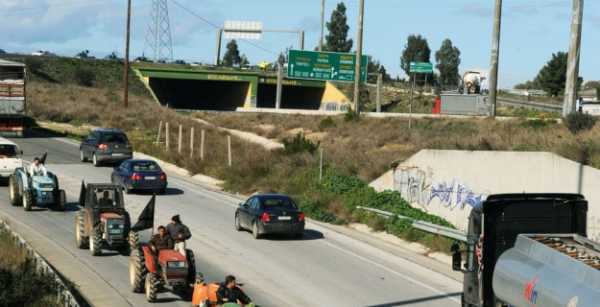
pixel 531 29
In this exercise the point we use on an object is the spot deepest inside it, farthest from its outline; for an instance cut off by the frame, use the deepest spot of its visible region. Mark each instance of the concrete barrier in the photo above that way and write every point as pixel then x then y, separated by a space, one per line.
pixel 449 183
pixel 63 292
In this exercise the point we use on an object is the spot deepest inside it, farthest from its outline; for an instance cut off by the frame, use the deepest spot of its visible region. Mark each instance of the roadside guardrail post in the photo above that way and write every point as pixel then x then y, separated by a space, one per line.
pixel 192 142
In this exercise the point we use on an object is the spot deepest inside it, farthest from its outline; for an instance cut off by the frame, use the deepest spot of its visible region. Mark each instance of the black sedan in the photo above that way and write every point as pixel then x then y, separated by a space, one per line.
pixel 270 214
pixel 140 175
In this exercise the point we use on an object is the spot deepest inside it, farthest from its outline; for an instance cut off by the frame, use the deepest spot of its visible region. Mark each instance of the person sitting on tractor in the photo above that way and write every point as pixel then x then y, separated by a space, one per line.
pixel 105 201
pixel 161 240
pixel 37 168
pixel 179 233
pixel 229 292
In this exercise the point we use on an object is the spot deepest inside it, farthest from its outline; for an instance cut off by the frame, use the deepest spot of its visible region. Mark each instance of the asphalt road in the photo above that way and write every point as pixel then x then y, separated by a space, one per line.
pixel 323 269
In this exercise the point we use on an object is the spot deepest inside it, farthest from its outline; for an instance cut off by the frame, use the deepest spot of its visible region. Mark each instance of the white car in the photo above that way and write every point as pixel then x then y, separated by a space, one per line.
pixel 10 158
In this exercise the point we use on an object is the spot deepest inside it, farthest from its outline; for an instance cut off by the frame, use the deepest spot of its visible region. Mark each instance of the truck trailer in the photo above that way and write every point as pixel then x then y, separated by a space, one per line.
pixel 500 237
pixel 12 98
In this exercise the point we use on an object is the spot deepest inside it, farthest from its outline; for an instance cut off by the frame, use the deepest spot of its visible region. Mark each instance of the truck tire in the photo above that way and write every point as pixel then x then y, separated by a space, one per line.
pixel 27 200
pixel 151 287
pixel 81 239
pixel 60 200
pixel 95 160
pixel 137 270
pixel 96 241
pixel 13 190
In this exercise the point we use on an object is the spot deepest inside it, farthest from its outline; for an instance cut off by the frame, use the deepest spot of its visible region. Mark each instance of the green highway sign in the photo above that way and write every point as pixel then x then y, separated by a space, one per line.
pixel 421 67
pixel 327 66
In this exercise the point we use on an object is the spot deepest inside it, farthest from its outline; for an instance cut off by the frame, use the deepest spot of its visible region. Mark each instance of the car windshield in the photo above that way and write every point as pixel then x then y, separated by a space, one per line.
pixel 146 166
pixel 275 203
pixel 7 150
pixel 114 138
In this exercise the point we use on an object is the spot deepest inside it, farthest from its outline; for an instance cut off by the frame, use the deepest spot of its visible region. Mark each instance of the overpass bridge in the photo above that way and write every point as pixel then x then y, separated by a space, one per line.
pixel 227 89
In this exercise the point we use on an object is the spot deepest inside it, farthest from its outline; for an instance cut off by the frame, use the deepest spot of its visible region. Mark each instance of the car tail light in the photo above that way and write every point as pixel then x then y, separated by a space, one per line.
pixel 102 146
pixel 136 176
pixel 301 217
pixel 163 176
pixel 265 217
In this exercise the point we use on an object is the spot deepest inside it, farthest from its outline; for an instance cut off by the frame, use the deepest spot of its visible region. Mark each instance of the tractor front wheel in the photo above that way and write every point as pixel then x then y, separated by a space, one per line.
pixel 137 270
pixel 134 239
pixel 151 287
pixel 13 190
pixel 191 277
pixel 96 241
pixel 81 239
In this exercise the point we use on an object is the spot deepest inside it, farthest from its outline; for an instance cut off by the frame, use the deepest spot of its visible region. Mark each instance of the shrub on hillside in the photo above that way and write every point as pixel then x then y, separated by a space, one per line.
pixel 351 116
pixel 33 64
pixel 326 123
pixel 84 77
pixel 299 144
pixel 577 122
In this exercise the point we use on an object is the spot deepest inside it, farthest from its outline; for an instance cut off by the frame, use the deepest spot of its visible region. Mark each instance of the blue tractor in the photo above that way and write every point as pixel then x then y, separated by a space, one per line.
pixel 39 191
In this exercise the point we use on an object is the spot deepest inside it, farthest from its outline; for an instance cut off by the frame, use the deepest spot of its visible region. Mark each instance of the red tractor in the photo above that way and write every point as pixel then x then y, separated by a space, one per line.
pixel 169 270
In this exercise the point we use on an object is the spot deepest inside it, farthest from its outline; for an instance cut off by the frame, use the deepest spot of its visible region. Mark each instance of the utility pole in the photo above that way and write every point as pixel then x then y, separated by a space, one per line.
pixel 126 60
pixel 493 82
pixel 322 24
pixel 573 58
pixel 279 86
pixel 301 39
pixel 218 56
pixel 357 72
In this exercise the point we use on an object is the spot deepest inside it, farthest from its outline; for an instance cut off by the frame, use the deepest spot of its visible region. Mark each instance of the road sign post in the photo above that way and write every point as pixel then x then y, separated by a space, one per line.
pixel 416 68
pixel 325 66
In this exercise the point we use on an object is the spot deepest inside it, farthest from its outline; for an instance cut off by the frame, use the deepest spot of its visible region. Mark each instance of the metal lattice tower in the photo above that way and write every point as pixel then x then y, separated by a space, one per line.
pixel 158 37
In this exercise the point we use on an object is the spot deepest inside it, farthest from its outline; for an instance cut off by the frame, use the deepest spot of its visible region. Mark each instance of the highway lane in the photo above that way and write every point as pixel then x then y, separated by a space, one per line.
pixel 324 269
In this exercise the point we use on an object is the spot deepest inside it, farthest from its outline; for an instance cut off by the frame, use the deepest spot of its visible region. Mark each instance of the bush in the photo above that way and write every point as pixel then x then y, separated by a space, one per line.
pixel 577 122
pixel 33 64
pixel 85 77
pixel 351 116
pixel 299 144
pixel 326 123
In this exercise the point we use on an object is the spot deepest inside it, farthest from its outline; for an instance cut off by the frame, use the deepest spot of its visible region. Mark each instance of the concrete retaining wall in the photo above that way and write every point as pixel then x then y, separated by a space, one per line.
pixel 449 183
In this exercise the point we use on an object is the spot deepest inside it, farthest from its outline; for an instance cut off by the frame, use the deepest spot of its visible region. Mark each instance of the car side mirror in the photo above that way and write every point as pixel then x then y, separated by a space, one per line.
pixel 456 257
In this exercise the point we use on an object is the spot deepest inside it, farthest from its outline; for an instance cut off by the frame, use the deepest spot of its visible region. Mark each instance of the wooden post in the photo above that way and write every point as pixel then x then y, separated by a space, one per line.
pixel 202 144
pixel 167 136
pixel 192 142
pixel 229 149
pixel 180 139
pixel 159 132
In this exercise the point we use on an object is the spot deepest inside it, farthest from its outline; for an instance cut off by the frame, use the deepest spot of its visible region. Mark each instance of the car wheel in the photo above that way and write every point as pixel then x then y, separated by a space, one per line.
pixel 255 232
pixel 95 160
pixel 82 156
pixel 238 226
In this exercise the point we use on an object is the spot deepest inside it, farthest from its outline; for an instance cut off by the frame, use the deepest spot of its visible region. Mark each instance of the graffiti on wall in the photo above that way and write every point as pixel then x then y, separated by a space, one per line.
pixel 418 187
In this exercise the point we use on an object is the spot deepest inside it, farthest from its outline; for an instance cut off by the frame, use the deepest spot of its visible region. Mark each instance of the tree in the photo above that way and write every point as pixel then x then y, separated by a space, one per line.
pixel 373 68
pixel 112 56
pixel 232 56
pixel 337 39
pixel 416 50
pixel 180 62
pixel 244 61
pixel 552 78
pixel 448 60
pixel 2 51
pixel 527 85
pixel 85 54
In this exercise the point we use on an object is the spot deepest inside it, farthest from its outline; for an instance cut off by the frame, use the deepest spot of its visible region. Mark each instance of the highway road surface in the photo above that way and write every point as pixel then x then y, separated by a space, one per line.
pixel 325 268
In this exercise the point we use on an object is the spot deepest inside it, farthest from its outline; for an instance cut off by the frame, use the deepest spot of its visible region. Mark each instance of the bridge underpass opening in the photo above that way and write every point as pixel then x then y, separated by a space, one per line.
pixel 200 94
pixel 293 97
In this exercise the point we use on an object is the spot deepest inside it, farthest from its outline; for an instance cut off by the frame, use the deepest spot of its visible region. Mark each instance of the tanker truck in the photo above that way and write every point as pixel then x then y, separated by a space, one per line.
pixel 528 250
pixel 475 82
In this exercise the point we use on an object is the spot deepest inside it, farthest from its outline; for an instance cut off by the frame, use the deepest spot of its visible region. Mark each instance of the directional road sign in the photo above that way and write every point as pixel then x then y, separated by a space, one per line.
pixel 421 67
pixel 328 66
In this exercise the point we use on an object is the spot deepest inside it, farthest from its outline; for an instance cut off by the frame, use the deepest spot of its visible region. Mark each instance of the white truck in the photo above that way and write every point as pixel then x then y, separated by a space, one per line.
pixel 475 81
pixel 10 158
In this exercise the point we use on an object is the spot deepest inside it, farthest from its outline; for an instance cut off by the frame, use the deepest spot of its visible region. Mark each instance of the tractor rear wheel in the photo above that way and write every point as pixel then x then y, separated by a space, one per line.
pixel 96 241
pixel 13 190
pixel 137 270
pixel 81 239
pixel 134 240
pixel 151 287
pixel 27 200
pixel 191 277
pixel 60 200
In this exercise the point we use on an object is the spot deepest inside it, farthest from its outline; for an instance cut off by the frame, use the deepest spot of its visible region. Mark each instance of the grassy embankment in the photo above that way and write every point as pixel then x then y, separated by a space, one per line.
pixel 20 283
pixel 355 151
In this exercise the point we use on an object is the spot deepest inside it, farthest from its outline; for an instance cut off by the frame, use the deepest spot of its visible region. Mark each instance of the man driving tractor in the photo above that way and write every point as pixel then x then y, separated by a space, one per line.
pixel 161 240
pixel 37 168
pixel 105 201
pixel 229 292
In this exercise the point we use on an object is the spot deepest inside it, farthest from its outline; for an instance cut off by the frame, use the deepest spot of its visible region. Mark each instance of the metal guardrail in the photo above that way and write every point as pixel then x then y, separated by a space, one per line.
pixel 63 293
pixel 421 225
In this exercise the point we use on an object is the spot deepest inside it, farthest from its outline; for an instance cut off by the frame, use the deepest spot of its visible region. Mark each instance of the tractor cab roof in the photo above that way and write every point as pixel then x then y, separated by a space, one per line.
pixel 103 196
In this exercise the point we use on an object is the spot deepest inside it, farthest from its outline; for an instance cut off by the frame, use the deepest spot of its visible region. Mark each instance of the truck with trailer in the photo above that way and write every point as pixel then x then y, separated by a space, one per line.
pixel 529 250
pixel 471 98
pixel 12 98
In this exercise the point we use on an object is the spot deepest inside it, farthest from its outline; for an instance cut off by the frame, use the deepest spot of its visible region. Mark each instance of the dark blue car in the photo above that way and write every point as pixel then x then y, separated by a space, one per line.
pixel 140 175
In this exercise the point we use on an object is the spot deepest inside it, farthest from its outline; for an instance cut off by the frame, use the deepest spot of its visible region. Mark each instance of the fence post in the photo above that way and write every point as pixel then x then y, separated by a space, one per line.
pixel 192 142
pixel 202 145
pixel 159 132
pixel 320 164
pixel 180 139
pixel 229 149
pixel 167 136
